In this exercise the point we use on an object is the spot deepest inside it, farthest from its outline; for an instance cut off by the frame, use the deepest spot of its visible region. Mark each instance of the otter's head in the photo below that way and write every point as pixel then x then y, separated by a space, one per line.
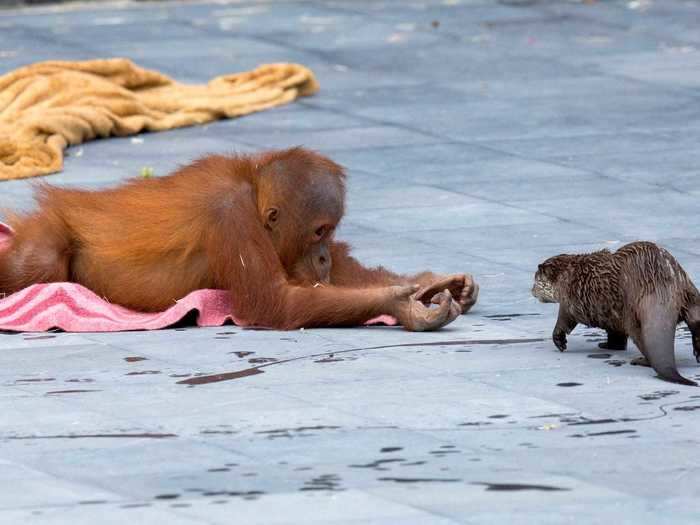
pixel 548 278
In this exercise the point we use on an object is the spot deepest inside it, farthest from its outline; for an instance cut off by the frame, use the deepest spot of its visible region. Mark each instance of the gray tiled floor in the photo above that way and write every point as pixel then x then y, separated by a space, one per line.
pixel 480 136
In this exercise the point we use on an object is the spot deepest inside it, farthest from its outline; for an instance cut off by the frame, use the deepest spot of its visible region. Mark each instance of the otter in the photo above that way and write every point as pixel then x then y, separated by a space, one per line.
pixel 639 291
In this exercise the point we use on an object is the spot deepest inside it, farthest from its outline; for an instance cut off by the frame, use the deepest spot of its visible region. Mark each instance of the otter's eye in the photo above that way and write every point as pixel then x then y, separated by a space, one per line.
pixel 320 232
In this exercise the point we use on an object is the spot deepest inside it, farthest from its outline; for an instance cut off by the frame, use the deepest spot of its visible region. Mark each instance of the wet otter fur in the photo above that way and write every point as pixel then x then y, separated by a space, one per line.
pixel 638 291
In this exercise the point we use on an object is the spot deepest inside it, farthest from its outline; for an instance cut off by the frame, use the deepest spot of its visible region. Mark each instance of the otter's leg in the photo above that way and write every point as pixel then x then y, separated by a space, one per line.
pixel 692 319
pixel 565 324
pixel 616 341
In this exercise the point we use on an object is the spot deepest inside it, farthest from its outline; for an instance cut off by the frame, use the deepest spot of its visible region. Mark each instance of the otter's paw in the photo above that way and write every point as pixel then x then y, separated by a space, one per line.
pixel 612 346
pixel 640 361
pixel 559 338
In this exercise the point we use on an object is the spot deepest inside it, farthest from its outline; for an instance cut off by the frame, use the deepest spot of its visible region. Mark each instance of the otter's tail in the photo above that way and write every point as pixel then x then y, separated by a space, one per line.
pixel 658 321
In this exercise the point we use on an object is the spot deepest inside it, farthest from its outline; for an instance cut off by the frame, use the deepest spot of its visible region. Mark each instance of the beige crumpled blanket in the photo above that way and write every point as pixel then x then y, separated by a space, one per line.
pixel 45 107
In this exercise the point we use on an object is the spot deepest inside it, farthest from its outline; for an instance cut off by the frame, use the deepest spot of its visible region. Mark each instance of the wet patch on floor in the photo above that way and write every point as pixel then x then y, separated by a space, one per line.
pixel 216 378
pixel 419 480
pixel 516 487
pixel 295 432
pixel 324 482
pixel 659 394
pixel 688 408
pixel 166 496
pixel 261 360
pixel 76 391
pixel 585 421
pixel 378 464
pixel 227 376
pixel 444 450
pixel 509 317
pixel 145 435
pixel 242 354
pixel 333 359
pixel 218 431
pixel 412 463
pixel 615 362
pixel 606 433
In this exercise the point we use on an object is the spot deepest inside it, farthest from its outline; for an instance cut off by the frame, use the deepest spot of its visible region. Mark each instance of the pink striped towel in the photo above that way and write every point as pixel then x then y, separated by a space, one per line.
pixel 74 308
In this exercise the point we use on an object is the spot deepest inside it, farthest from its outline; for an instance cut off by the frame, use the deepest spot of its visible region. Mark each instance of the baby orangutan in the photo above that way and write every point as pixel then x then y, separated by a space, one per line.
pixel 260 226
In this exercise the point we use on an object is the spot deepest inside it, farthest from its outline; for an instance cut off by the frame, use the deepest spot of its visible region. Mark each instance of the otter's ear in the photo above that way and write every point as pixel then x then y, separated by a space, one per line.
pixel 547 270
pixel 271 218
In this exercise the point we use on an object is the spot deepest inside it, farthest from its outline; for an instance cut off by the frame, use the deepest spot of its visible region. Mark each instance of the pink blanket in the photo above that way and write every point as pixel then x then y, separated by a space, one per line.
pixel 74 308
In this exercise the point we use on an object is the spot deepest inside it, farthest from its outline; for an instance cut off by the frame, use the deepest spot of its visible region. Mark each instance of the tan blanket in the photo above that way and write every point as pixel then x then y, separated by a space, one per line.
pixel 47 106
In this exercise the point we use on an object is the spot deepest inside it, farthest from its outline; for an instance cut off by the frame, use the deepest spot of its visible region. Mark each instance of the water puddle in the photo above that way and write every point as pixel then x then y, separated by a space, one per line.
pixel 146 435
pixel 265 362
pixel 60 392
pixel 607 433
pixel 514 487
pixel 420 480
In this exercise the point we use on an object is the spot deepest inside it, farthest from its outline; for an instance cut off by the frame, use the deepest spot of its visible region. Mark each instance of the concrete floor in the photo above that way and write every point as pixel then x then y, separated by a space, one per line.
pixel 479 136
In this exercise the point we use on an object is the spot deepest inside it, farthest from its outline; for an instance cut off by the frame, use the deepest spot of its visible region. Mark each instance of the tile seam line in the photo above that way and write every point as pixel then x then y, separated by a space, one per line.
pixel 85 6
pixel 79 483
pixel 179 21
pixel 666 89
pixel 416 507
pixel 123 496
pixel 587 170
pixel 447 140
pixel 593 22
pixel 558 218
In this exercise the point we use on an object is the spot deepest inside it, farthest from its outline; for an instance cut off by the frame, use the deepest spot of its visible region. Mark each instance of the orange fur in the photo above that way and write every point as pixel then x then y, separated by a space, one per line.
pixel 150 242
